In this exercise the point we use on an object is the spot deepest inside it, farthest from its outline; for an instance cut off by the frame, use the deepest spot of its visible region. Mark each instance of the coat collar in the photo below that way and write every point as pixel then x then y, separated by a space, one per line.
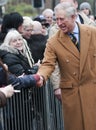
pixel 65 40
pixel 85 34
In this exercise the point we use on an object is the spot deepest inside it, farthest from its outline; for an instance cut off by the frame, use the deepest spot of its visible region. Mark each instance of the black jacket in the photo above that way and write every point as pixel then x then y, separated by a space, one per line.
pixel 37 44
pixel 17 63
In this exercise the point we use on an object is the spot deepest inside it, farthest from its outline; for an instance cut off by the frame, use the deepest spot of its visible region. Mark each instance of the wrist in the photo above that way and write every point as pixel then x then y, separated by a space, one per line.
pixel 36 77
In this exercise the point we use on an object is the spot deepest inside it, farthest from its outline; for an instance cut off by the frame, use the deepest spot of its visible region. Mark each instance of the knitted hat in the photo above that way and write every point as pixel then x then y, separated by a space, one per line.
pixel 85 5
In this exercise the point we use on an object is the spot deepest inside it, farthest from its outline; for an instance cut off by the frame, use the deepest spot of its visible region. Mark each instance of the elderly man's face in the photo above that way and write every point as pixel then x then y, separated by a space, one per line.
pixel 66 24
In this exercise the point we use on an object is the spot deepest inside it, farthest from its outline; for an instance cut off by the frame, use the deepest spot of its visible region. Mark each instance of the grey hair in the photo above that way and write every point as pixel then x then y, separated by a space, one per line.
pixel 67 7
pixel 27 21
pixel 13 34
pixel 48 10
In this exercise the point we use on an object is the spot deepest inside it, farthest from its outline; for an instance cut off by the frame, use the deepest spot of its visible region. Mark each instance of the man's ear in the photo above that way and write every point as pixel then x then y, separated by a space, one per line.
pixel 73 16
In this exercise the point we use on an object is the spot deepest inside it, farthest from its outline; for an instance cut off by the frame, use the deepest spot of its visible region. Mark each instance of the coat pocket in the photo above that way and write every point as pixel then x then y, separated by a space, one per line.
pixel 66 85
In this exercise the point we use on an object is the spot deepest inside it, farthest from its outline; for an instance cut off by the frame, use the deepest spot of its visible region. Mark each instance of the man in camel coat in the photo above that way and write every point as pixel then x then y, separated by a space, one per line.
pixel 77 68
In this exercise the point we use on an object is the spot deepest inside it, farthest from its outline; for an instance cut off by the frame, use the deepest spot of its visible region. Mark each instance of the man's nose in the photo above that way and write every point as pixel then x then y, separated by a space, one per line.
pixel 59 22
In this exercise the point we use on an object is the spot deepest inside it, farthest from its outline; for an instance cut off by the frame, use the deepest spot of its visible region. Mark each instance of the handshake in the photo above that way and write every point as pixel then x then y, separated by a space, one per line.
pixel 27 80
pixel 39 80
pixel 9 90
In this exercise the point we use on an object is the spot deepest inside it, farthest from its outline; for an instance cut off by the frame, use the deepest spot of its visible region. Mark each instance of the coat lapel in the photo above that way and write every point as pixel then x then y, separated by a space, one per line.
pixel 84 45
pixel 65 40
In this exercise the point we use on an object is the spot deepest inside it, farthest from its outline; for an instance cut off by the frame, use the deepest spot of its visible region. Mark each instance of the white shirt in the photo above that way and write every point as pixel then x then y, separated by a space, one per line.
pixel 76 32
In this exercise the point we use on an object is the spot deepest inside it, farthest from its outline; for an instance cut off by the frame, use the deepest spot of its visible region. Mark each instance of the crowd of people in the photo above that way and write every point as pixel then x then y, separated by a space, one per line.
pixel 33 50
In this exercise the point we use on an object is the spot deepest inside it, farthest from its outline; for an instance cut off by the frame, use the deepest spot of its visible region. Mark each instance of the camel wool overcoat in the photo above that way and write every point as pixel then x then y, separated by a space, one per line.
pixel 78 76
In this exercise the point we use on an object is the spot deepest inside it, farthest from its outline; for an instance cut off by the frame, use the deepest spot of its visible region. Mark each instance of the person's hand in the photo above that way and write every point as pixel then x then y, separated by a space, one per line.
pixel 39 80
pixel 38 63
pixel 7 90
pixel 6 67
pixel 57 93
pixel 40 83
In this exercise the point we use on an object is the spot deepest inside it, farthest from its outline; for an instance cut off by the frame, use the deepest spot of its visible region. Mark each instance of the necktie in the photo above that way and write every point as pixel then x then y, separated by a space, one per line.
pixel 74 40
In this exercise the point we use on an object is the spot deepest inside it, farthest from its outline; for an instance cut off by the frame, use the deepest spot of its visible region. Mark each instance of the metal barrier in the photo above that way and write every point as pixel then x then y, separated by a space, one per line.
pixel 32 109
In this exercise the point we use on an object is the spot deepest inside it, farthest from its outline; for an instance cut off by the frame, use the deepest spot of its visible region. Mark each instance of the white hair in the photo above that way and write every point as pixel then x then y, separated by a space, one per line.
pixel 67 7
pixel 14 34
pixel 11 35
pixel 47 11
pixel 27 21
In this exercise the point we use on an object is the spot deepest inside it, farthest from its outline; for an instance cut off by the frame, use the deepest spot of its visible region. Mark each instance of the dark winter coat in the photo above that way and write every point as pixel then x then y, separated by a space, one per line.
pixel 37 44
pixel 6 78
pixel 17 62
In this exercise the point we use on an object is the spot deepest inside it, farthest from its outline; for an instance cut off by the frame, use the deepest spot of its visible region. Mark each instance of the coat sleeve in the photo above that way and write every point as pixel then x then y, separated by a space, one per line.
pixel 14 64
pixel 3 99
pixel 55 77
pixel 25 81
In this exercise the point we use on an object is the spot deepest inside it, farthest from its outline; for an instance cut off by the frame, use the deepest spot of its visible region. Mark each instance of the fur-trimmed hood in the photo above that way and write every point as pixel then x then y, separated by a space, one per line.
pixel 9 49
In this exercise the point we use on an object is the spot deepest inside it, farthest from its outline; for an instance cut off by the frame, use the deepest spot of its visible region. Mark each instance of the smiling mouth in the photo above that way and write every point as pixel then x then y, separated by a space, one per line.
pixel 63 28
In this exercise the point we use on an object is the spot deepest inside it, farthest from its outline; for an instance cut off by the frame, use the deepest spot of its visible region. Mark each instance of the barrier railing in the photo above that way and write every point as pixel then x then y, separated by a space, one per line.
pixel 32 109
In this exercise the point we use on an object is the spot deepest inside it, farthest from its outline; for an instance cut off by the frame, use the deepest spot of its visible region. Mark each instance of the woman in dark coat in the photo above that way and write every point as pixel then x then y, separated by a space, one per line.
pixel 15 53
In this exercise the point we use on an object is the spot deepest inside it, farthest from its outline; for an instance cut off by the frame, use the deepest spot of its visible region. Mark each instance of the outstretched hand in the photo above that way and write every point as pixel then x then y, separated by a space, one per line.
pixel 39 80
pixel 40 83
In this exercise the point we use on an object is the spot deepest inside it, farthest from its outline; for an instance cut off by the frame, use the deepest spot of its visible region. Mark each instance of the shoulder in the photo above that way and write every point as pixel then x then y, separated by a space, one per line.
pixel 54 41
pixel 88 31
pixel 87 27
pixel 53 30
pixel 86 20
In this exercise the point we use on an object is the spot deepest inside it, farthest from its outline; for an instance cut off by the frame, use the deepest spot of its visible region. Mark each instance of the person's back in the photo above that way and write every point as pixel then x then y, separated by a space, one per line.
pixel 37 42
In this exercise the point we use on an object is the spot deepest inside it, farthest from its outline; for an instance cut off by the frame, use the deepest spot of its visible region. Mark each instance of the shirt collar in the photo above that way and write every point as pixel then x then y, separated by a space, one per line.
pixel 76 29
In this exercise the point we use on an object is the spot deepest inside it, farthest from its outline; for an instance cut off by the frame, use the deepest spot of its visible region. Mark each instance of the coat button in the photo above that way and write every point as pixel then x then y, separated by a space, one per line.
pixel 67 61
pixel 74 73
pixel 94 55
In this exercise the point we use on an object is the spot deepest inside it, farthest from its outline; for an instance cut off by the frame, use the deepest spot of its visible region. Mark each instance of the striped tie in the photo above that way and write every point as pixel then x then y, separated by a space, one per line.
pixel 74 40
